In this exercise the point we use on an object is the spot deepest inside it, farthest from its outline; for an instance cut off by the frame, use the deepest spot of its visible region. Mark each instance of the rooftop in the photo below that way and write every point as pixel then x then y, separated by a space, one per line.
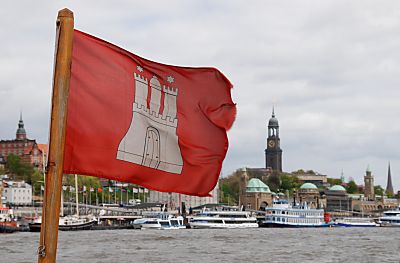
pixel 257 186
pixel 337 188
pixel 308 186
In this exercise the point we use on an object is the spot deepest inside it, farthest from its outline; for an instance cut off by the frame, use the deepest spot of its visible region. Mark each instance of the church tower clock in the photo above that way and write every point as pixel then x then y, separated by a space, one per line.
pixel 273 153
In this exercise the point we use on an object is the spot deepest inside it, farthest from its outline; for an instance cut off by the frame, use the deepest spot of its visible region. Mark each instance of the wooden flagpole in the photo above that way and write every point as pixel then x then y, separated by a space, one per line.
pixel 52 196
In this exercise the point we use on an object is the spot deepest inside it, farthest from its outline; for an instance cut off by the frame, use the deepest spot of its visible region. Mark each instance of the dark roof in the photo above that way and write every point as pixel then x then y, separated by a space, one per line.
pixel 257 172
pixel 208 206
pixel 147 205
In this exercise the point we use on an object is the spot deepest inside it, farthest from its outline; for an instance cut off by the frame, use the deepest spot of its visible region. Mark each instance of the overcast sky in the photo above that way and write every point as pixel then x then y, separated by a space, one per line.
pixel 331 68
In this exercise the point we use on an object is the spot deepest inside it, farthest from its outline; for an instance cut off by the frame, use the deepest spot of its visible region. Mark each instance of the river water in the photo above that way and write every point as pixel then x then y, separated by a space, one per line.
pixel 203 245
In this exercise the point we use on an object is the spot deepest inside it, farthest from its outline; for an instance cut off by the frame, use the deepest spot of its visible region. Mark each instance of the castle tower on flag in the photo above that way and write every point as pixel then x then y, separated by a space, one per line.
pixel 151 139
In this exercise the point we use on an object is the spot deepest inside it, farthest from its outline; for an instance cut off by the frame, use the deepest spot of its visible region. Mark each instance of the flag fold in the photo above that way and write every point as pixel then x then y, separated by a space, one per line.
pixel 134 120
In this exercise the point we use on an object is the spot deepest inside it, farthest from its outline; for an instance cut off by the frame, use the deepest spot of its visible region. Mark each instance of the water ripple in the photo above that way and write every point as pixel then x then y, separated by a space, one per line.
pixel 195 245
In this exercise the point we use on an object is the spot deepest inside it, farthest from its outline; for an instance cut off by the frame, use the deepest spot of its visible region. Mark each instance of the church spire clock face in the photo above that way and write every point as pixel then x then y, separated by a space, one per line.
pixel 273 152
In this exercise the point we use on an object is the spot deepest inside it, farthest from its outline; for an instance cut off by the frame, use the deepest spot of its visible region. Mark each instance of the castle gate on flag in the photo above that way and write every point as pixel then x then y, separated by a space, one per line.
pixel 151 139
pixel 134 120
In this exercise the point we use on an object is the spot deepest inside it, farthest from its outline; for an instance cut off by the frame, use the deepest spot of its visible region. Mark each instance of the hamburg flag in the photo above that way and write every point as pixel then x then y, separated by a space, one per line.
pixel 134 120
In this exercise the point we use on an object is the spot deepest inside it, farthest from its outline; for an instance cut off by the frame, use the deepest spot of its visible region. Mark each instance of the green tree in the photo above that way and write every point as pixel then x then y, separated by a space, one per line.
pixel 352 187
pixel 379 190
pixel 274 182
pixel 289 182
pixel 230 188
pixel 19 170
pixel 334 181
pixel 37 181
pixel 300 171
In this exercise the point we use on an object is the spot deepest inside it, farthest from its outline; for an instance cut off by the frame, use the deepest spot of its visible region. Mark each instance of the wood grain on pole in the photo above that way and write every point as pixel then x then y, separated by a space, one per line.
pixel 53 187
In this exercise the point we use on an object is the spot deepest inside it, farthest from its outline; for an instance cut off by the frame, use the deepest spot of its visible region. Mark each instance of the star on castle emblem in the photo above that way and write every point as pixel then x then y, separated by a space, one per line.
pixel 170 79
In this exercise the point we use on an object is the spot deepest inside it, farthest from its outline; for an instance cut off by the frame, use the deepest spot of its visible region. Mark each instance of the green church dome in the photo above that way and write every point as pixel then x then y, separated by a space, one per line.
pixel 257 186
pixel 308 186
pixel 337 188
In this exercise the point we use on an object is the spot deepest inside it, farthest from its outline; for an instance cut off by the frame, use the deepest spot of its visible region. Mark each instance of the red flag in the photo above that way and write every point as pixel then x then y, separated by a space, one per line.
pixel 138 121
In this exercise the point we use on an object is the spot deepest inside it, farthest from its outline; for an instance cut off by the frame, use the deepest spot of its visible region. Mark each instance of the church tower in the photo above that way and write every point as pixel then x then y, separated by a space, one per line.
pixel 389 186
pixel 273 153
pixel 21 133
pixel 369 191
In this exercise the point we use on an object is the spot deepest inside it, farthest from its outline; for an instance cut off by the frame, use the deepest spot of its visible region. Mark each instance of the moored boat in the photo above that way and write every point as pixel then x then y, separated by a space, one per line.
pixel 285 215
pixel 390 218
pixel 355 222
pixel 159 221
pixel 7 222
pixel 67 223
pixel 223 219
pixel 71 223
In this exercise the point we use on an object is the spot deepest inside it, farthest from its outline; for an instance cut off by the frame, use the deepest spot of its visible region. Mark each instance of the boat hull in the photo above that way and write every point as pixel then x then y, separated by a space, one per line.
pixel 8 227
pixel 277 225
pixel 35 227
pixel 390 224
pixel 354 225
pixel 77 227
pixel 222 226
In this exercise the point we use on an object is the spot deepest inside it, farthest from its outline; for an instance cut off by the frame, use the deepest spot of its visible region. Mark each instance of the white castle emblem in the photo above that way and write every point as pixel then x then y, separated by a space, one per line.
pixel 151 139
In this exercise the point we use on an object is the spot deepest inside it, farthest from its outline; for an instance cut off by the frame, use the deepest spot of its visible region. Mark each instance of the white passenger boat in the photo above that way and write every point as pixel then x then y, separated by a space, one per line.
pixel 355 222
pixel 159 221
pixel 223 219
pixel 390 218
pixel 286 215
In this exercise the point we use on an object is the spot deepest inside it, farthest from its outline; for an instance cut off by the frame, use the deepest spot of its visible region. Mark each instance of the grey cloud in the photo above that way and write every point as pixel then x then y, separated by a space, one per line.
pixel 330 67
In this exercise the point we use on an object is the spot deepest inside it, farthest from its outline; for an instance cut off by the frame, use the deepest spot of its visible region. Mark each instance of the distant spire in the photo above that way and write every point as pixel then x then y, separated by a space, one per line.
pixel 273 111
pixel 389 186
pixel 21 133
pixel 368 168
pixel 342 176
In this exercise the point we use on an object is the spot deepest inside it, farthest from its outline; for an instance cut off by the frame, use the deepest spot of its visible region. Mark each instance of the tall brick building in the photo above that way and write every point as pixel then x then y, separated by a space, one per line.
pixel 27 149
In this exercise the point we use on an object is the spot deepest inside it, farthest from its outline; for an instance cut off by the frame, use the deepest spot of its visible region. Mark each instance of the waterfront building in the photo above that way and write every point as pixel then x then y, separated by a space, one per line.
pixel 174 200
pixel 369 190
pixel 257 196
pixel 17 193
pixel 309 193
pixel 338 201
pixel 273 152
pixel 27 149
pixel 360 204
pixel 389 186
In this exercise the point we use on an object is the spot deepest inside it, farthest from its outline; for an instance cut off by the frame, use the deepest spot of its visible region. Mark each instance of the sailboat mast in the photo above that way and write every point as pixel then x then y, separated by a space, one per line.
pixel 62 202
pixel 76 194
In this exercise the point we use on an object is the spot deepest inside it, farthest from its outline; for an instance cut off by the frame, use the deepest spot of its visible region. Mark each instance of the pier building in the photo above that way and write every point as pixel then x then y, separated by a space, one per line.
pixel 369 190
pixel 257 195
pixel 310 194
